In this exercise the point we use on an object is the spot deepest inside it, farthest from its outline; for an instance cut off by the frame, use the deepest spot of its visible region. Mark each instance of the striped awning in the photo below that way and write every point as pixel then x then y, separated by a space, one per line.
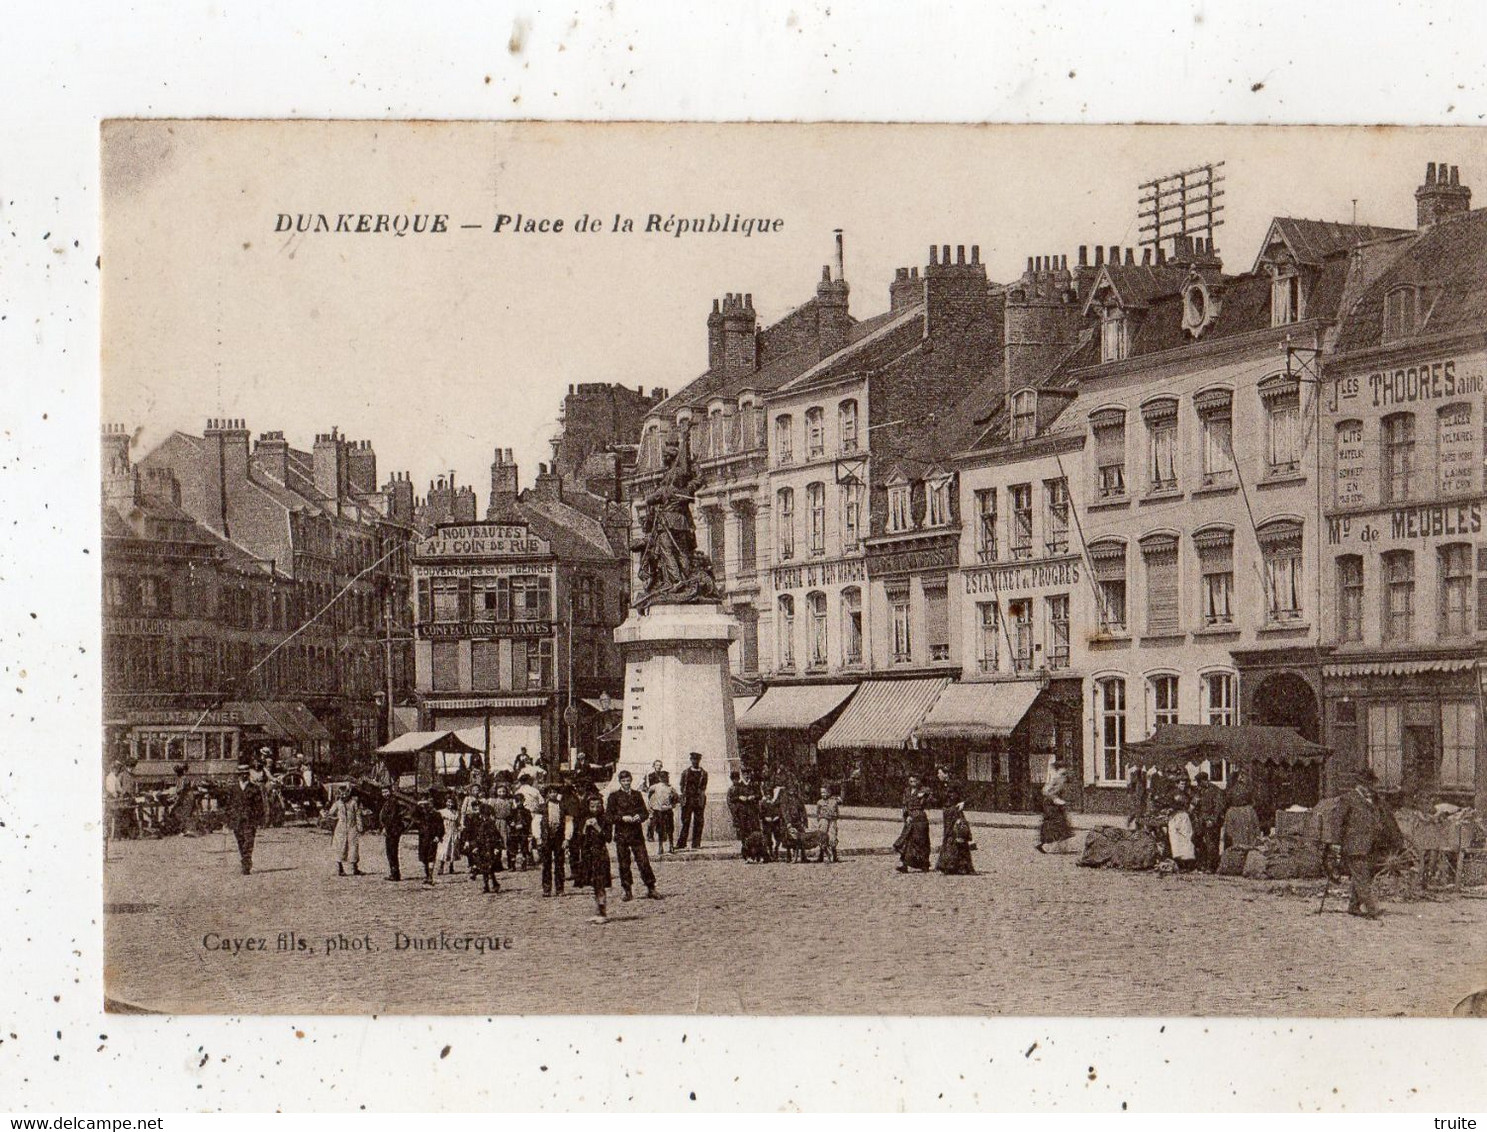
pixel 979 710
pixel 793 707
pixel 1397 667
pixel 883 714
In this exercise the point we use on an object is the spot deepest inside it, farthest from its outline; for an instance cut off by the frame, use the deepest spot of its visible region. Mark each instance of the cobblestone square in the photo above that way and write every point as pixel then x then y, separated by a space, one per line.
pixel 1030 935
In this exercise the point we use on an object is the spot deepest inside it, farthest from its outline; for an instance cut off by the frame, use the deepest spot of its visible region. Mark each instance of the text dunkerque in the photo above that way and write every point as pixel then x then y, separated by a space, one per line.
pixel 401 224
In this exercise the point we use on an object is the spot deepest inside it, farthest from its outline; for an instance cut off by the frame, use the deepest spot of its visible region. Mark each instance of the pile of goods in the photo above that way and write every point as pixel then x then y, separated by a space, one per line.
pixel 1110 847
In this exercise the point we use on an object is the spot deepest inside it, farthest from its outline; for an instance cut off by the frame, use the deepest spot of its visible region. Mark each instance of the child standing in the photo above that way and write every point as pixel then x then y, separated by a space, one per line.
pixel 828 815
pixel 430 832
pixel 449 847
pixel 593 857
pixel 519 833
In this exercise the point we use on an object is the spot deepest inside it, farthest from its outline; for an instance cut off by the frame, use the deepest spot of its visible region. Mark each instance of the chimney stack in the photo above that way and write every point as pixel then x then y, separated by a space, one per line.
pixel 226 471
pixel 504 488
pixel 361 468
pixel 833 322
pixel 548 485
pixel 740 346
pixel 1441 196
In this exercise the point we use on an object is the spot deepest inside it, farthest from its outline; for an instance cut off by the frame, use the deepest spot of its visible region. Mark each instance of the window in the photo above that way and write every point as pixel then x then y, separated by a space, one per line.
pixel 1163 700
pixel 1399 456
pixel 815 603
pixel 1163 605
pixel 851 515
pixel 1216 416
pixel 785 520
pixel 900 508
pixel 748 637
pixel 485 666
pixel 446 599
pixel 1400 309
pixel 815 433
pixel 748 538
pixel 787 632
pixel 1115 337
pixel 986 525
pixel 846 425
pixel 1455 589
pixel 852 625
pixel 1108 562
pixel 988 636
pixel 903 650
pixel 1215 547
pixel 1056 516
pixel 815 497
pixel 1399 594
pixel 1110 453
pixel 1024 415
pixel 937 620
pixel 717 445
pixel 1280 547
pixel 114 594
pixel 1020 497
pixel 1458 744
pixel 937 501
pixel 1161 444
pixel 1282 427
pixel 1218 699
pixel 531 598
pixel 717 540
pixel 784 439
pixel 446 665
pixel 1350 597
pixel 1285 298
pixel 1020 630
pixel 1110 711
pixel 492 598
pixel 536 666
pixel 1386 743
pixel 1057 645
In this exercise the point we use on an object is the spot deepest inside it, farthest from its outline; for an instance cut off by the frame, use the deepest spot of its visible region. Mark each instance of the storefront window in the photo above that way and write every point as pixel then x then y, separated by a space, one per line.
pixel 1458 744
pixel 1386 744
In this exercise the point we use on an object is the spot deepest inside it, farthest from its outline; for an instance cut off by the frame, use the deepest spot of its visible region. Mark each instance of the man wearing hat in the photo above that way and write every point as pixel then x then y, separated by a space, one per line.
pixel 551 815
pixel 694 801
pixel 247 814
pixel 1365 828
pixel 626 813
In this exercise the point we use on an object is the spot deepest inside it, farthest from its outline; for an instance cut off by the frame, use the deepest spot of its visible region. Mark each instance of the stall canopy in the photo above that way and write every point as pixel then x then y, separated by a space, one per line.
pixel 288 720
pixel 1176 744
pixel 416 741
pixel 883 714
pixel 795 707
pixel 979 711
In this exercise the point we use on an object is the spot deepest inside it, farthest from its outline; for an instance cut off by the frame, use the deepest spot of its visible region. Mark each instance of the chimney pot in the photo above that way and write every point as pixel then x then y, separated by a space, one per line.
pixel 1430 173
pixel 1030 268
pixel 934 255
pixel 1131 257
pixel 1145 257
pixel 1083 255
pixel 1455 175
pixel 944 255
pixel 960 253
pixel 975 253
pixel 1099 255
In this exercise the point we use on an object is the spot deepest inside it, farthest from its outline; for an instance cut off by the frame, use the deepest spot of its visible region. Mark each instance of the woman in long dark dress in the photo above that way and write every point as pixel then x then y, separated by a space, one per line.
pixel 1055 826
pixel 593 857
pixel 913 840
pixel 955 851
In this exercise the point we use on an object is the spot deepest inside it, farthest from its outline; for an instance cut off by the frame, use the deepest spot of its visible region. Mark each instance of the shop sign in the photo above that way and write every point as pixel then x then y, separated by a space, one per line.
pixel 1016 577
pixel 1408 524
pixel 813 574
pixel 1351 460
pixel 485 570
pixel 185 717
pixel 444 630
pixel 1437 380
pixel 913 561
pixel 483 540
pixel 1456 454
pixel 137 626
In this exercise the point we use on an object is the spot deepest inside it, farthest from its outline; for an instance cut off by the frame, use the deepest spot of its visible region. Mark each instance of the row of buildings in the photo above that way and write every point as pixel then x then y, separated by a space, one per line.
pixel 258 594
pixel 994 523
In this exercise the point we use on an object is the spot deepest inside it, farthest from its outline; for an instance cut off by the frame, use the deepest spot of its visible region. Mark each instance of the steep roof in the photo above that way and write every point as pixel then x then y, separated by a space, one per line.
pixel 1448 262
pixel 1313 241
pixel 874 342
pixel 573 534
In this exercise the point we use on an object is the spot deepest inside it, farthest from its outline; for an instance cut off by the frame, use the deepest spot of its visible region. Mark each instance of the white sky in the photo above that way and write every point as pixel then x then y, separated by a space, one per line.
pixel 440 348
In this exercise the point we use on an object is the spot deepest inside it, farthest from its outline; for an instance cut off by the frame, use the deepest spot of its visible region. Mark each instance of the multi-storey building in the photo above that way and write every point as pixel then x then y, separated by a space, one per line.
pixel 1405 567
pixel 516 616
pixel 322 522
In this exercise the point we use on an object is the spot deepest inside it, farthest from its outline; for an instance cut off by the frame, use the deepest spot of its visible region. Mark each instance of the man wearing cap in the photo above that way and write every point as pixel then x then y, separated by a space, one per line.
pixel 1365 828
pixel 247 815
pixel 694 801
pixel 626 813
pixel 551 816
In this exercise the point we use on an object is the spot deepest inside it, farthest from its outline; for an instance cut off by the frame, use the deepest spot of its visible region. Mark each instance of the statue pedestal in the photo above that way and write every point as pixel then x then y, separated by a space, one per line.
pixel 678 700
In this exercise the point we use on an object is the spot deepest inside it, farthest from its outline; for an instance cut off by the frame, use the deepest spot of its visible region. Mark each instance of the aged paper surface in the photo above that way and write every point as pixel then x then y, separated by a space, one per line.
pixel 1108 492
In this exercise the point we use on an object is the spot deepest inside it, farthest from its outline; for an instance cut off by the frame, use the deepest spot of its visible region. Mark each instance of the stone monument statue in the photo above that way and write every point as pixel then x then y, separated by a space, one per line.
pixel 678 698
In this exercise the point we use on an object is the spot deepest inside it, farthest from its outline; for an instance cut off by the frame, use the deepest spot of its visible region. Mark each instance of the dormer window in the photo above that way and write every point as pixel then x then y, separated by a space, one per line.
pixel 1401 307
pixel 1285 298
pixel 1200 307
pixel 1024 415
pixel 937 503
pixel 1115 335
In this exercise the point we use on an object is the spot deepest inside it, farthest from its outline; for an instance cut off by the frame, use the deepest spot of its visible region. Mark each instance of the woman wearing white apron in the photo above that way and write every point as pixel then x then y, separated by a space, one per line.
pixel 345 842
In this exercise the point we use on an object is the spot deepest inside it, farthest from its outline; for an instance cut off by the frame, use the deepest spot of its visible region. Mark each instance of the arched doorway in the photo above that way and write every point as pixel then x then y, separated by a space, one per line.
pixel 1285 699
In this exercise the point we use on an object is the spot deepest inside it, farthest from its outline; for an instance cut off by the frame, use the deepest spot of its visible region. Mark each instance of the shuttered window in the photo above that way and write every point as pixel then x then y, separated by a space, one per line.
pixel 485 666
pixel 1163 613
pixel 446 665
pixel 937 622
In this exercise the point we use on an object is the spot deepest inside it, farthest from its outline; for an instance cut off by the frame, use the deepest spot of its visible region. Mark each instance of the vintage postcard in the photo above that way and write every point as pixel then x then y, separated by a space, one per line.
pixel 793 569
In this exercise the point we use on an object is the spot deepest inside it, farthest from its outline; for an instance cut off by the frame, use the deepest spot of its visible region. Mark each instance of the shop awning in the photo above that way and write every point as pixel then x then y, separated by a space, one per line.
pixel 979 710
pixel 794 707
pixel 415 741
pixel 280 719
pixel 1397 667
pixel 741 705
pixel 883 714
pixel 1175 744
